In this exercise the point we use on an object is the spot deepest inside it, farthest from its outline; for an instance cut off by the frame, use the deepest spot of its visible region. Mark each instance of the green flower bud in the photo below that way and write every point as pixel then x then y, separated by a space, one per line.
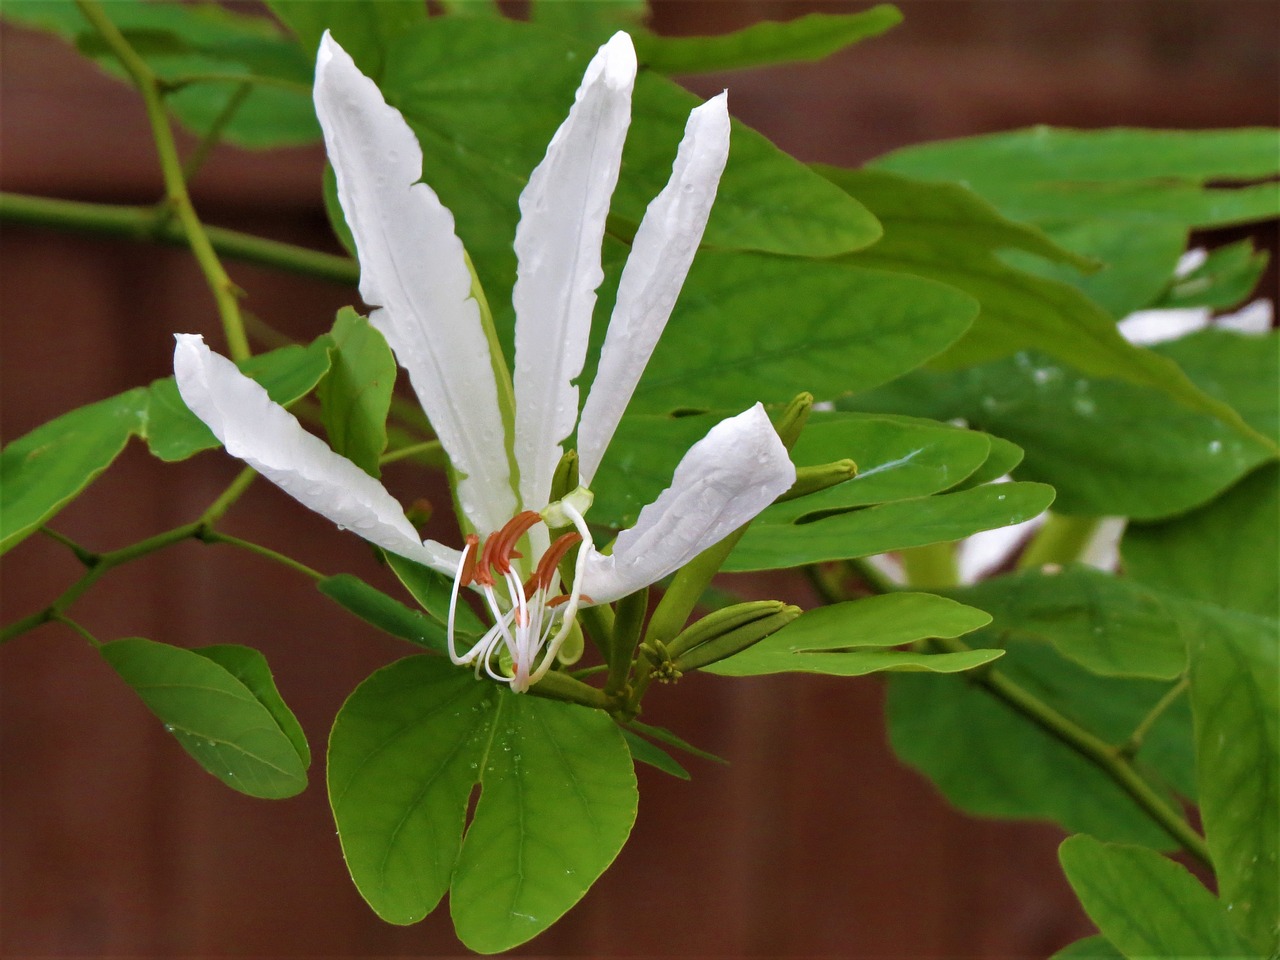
pixel 726 644
pixel 812 479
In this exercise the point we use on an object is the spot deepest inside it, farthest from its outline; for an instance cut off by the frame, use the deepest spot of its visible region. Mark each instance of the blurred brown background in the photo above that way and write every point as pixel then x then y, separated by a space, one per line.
pixel 814 842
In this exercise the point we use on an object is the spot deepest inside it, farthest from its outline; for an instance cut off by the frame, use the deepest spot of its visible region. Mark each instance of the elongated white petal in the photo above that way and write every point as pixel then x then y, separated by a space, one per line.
pixel 661 253
pixel 725 479
pixel 266 436
pixel 412 266
pixel 562 218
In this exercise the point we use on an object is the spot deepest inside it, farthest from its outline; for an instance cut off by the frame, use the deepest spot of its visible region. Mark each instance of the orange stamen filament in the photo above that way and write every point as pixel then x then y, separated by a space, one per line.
pixel 550 562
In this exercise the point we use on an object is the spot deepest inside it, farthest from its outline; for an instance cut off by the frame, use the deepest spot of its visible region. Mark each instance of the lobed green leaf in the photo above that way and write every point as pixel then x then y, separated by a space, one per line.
pixel 355 395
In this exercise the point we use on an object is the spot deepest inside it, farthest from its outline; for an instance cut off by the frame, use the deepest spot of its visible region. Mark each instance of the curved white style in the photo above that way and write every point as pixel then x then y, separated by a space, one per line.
pixel 413 271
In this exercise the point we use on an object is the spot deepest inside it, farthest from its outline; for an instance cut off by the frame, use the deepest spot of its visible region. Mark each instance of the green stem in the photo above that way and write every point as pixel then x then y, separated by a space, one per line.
pixel 876 580
pixel 1109 759
pixel 931 567
pixel 139 223
pixel 83 554
pixel 1131 746
pixel 432 447
pixel 1061 540
pixel 213 136
pixel 173 84
pixel 212 536
pixel 225 293
pixel 73 625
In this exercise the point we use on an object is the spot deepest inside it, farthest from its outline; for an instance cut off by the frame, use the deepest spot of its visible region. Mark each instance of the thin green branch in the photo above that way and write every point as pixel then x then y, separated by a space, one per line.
pixel 431 447
pixel 78 628
pixel 1061 540
pixel 1109 759
pixel 140 224
pixel 1131 746
pixel 212 536
pixel 174 84
pixel 225 293
pixel 213 136
pixel 83 554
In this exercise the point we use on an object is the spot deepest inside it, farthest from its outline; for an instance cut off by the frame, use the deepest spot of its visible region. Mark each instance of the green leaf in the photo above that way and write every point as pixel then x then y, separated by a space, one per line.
pixel 888 526
pixel 1227 276
pixel 174 433
pixel 897 459
pixel 222 706
pixel 726 347
pixel 364 30
pixel 1090 948
pixel 1240 369
pixel 1226 552
pixel 1235 697
pixel 558 799
pixel 993 761
pixel 178 41
pixel 43 471
pixel 1108 447
pixel 1146 905
pixel 849 639
pixel 807 38
pixel 384 612
pixel 642 751
pixel 663 735
pixel 1000 462
pixel 1109 625
pixel 407 750
pixel 590 20
pixel 484 130
pixel 355 394
pixel 432 591
pixel 932 233
pixel 250 668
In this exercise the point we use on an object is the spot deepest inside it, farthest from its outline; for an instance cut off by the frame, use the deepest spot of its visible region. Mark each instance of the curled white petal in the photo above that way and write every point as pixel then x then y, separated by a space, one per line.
pixel 413 267
pixel 562 221
pixel 661 254
pixel 266 436
pixel 725 479
pixel 1147 327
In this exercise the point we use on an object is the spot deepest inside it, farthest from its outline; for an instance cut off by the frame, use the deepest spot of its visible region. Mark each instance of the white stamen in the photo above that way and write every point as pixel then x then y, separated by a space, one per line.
pixel 570 609
pixel 453 606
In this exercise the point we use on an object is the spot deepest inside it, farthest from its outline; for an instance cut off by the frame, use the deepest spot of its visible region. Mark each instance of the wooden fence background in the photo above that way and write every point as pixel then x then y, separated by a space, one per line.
pixel 814 842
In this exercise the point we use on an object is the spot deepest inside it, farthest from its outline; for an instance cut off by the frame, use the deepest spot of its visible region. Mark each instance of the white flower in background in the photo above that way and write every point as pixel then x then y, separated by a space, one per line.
pixel 413 268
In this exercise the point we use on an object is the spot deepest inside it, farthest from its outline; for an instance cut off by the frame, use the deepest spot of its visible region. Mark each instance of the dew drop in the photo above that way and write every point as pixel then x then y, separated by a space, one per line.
pixel 1215 446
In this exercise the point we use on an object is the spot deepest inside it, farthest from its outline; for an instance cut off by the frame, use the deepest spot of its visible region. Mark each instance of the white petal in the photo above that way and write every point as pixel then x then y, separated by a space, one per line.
pixel 1253 318
pixel 412 266
pixel 1147 327
pixel 661 253
pixel 562 219
pixel 726 478
pixel 266 436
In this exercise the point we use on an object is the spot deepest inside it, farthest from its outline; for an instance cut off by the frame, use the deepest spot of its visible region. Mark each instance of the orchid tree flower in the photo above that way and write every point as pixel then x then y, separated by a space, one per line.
pixel 504 436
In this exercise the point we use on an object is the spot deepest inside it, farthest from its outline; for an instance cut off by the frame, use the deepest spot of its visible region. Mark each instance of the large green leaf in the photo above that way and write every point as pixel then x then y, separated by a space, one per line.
pixel 1145 904
pixel 811 37
pixel 179 40
pixel 750 327
pixel 365 30
pixel 1235 696
pixel 1107 624
pixel 386 613
pixel 1226 552
pixel 433 591
pixel 994 761
pixel 1035 160
pixel 46 469
pixel 1109 447
pixel 1239 369
pixel 585 20
pixel 888 526
pixel 941 232
pixel 174 433
pixel 1089 948
pixel 851 639
pixel 897 459
pixel 485 96
pixel 355 394
pixel 221 704
pixel 557 801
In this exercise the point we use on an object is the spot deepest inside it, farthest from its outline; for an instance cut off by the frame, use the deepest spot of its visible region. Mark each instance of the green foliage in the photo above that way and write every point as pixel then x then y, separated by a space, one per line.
pixel 590 20
pixel 222 705
pixel 364 30
pixel 355 394
pixel 1235 696
pixel 851 639
pixel 811 37
pixel 214 48
pixel 643 751
pixel 1108 625
pixel 994 763
pixel 431 590
pixel 1090 948
pixel 1227 276
pixel 386 613
pixel 1146 905
pixel 813 538
pixel 46 469
pixel 407 750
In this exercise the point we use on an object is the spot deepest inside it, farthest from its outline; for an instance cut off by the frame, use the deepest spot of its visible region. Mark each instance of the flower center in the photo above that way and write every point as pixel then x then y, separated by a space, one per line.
pixel 531 618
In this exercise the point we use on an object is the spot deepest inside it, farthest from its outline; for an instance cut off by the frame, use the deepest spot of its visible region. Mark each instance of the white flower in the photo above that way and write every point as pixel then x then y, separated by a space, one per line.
pixel 413 268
